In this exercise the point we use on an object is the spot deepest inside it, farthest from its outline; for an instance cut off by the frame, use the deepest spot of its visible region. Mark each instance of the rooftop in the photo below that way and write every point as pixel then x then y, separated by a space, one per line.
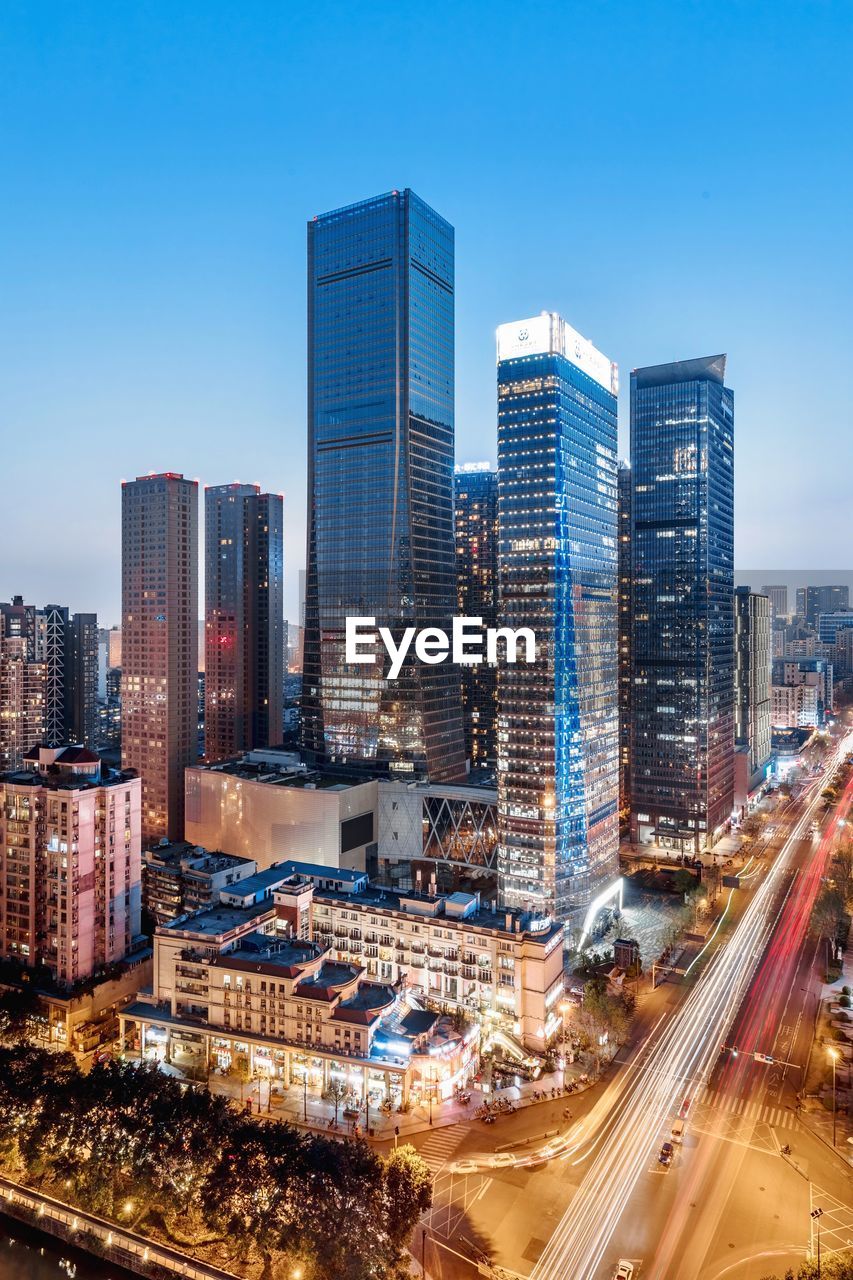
pixel 501 919
pixel 703 369
pixel 215 921
pixel 179 853
pixel 286 772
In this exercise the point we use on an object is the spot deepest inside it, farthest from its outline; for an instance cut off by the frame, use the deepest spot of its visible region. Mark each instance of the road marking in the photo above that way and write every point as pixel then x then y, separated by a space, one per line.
pixel 440 1146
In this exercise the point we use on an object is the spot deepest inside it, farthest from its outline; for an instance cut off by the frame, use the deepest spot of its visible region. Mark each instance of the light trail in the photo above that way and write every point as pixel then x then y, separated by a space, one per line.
pixel 687 1047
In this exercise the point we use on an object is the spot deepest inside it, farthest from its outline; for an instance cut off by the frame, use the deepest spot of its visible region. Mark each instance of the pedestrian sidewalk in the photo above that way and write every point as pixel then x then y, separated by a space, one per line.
pixel 309 1111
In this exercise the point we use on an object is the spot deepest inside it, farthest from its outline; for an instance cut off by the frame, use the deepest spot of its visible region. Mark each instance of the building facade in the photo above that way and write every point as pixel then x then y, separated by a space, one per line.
pixel 81 667
pixel 237 986
pixel 808 673
pixel 817 600
pixel 180 879
pixel 778 596
pixel 380 483
pixel 70 871
pixel 23 683
pixel 160 644
pixel 477 597
pixel 626 623
pixel 682 534
pixel 244 619
pixel 439 833
pixel 558 723
pixel 753 669
pixel 269 806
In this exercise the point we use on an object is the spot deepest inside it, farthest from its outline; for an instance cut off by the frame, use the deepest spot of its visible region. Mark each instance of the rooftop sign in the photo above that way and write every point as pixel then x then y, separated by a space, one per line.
pixel 548 334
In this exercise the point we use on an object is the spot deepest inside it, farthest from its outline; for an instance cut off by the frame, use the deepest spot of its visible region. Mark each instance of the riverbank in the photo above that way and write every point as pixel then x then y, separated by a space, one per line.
pixel 99 1239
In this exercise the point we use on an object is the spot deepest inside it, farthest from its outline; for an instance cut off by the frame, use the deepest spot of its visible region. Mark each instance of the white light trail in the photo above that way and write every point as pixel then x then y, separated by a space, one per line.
pixel 678 1063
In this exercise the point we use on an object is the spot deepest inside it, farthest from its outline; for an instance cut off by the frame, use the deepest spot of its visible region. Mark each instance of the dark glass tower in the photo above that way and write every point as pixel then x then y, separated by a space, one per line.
pixel 626 625
pixel 558 723
pixel 82 679
pixel 682 535
pixel 380 483
pixel 477 597
pixel 244 619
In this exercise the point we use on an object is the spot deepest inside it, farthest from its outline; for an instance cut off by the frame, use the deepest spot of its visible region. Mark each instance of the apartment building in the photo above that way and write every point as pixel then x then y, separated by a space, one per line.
pixel 70 864
pixel 179 878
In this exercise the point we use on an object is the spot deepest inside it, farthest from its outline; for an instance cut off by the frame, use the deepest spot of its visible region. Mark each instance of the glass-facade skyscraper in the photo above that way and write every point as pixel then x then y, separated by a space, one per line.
pixel 477 597
pixel 244 619
pixel 380 483
pixel 682 540
pixel 558 723
pixel 626 630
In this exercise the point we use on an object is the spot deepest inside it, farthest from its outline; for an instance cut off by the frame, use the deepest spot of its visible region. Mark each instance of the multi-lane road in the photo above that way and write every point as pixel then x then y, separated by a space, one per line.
pixel 732 1205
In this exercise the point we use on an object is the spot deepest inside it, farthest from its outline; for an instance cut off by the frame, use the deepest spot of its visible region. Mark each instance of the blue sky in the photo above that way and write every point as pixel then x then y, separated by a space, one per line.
pixel 674 177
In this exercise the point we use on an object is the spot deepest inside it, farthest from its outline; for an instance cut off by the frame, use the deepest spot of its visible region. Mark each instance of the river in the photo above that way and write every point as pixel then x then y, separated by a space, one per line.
pixel 27 1255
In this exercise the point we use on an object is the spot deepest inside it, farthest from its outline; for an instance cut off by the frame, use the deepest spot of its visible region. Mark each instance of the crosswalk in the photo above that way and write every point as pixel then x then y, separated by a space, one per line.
pixel 743 1108
pixel 441 1144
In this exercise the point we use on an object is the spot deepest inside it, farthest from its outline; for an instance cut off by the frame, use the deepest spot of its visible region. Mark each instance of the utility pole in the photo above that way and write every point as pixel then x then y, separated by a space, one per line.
pixel 816 1215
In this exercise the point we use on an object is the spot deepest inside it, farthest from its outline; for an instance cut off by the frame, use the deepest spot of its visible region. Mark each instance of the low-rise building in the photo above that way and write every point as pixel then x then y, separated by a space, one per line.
pixel 232 987
pixel 452 952
pixel 179 878
pixel 268 805
pixel 442 831
pixel 811 708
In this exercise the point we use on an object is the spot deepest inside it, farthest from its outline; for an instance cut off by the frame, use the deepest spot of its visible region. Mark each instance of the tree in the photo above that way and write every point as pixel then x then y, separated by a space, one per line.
pixel 407 1193
pixel 828 912
pixel 20 1007
pixel 336 1092
pixel 842 870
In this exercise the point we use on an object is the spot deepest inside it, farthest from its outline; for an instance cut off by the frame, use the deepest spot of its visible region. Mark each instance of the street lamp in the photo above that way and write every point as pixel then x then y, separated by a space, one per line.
pixel 833 1057
pixel 816 1215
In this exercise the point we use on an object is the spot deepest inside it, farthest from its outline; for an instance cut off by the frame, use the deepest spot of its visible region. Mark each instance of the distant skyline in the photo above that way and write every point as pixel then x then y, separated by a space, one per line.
pixel 675 180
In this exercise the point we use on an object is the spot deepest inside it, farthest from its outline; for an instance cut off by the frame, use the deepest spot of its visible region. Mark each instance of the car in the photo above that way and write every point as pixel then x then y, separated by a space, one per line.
pixel 464 1166
pixel 685 1107
pixel 667 1151
pixel 771 831
pixel 625 1270
pixel 502 1160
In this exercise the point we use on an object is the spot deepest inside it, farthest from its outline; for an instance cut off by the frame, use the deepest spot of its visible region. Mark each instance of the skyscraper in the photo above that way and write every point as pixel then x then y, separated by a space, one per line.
pixel 81 680
pixel 160 643
pixel 778 596
pixel 380 483
pixel 244 619
pixel 818 600
pixel 682 462
pixel 477 597
pixel 558 725
pixel 753 665
pixel 626 622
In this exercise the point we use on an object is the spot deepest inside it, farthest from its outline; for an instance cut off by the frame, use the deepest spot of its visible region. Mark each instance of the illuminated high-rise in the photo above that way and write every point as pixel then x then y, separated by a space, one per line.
pixel 558 723
pixel 477 597
pixel 380 483
pixel 682 546
pixel 626 623
pixel 244 619
pixel 160 643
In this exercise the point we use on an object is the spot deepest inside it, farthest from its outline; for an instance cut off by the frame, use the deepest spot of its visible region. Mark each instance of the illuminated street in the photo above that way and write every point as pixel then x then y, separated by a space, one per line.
pixel 677 1222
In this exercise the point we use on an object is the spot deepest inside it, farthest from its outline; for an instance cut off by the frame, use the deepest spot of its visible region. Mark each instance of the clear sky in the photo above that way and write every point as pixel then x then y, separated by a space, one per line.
pixel 674 177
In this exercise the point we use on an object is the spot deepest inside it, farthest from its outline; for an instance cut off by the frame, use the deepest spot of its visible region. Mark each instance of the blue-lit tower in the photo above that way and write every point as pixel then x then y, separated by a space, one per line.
pixel 558 721
pixel 380 483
